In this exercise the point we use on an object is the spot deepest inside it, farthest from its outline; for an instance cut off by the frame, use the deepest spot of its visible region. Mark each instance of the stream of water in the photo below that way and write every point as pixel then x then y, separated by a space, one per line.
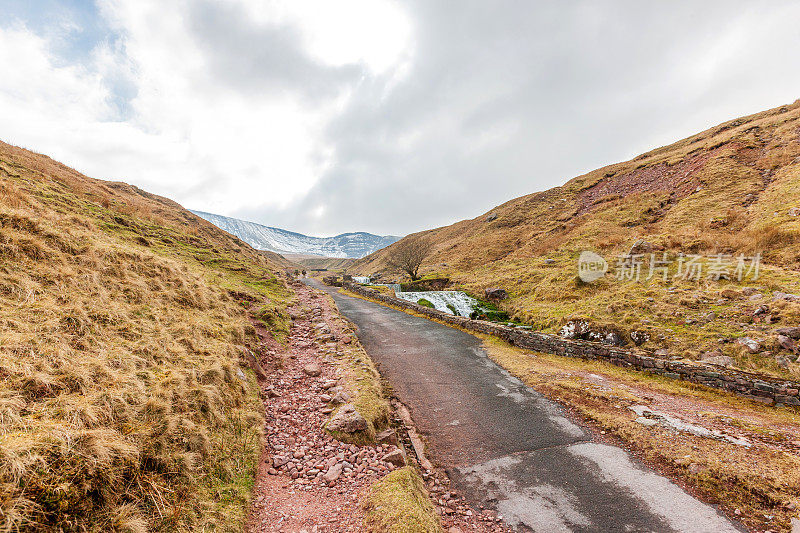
pixel 442 300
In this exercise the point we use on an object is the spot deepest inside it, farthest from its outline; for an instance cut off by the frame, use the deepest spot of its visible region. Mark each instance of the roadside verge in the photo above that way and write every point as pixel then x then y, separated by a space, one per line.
pixel 758 388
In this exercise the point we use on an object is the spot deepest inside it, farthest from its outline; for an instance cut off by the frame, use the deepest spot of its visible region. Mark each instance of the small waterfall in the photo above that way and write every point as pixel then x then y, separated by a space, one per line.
pixel 364 280
pixel 393 286
pixel 463 304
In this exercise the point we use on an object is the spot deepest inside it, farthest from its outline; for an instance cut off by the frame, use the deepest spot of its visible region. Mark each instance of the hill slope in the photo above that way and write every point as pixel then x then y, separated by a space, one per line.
pixel 727 190
pixel 317 263
pixel 287 242
pixel 123 403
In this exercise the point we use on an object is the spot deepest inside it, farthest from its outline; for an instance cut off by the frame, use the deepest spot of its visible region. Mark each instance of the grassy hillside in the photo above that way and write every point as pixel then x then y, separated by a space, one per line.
pixel 279 261
pixel 124 401
pixel 315 262
pixel 727 190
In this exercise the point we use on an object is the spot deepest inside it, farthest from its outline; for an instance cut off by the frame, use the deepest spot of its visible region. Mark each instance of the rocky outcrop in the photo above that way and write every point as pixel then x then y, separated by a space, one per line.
pixel 387 436
pixel 495 293
pixel 792 332
pixel 340 397
pixel 717 358
pixel 395 457
pixel 312 369
pixel 347 420
pixel 787 343
pixel 333 473
pixel 751 345
pixel 585 330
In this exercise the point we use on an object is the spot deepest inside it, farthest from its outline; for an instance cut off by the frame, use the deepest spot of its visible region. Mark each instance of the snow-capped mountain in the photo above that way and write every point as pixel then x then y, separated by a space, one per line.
pixel 282 241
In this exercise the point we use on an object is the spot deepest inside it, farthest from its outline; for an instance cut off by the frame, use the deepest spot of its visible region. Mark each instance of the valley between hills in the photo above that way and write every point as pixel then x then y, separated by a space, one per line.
pixel 160 374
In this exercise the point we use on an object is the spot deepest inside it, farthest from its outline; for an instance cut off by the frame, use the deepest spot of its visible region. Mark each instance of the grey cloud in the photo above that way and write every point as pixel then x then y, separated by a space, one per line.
pixel 507 98
pixel 258 59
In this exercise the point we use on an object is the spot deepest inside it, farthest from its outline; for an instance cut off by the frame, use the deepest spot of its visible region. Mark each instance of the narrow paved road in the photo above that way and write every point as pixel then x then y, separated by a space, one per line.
pixel 506 446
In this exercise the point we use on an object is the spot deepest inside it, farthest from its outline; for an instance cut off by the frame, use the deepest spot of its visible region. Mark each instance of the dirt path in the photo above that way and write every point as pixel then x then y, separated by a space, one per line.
pixel 506 446
pixel 296 490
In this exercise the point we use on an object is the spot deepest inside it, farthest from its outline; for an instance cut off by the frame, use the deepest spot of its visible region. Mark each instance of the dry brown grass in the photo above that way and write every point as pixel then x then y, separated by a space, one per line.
pixel 759 485
pixel 726 190
pixel 123 406
pixel 399 503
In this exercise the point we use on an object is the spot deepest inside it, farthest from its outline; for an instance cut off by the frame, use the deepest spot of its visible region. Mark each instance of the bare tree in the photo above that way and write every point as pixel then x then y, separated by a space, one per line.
pixel 408 254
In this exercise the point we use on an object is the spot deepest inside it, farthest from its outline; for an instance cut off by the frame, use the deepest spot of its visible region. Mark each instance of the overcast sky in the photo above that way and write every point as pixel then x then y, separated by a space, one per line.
pixel 389 117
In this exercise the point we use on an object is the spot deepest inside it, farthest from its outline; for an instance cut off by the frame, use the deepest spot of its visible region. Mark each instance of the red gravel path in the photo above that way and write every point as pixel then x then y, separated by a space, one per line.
pixel 292 493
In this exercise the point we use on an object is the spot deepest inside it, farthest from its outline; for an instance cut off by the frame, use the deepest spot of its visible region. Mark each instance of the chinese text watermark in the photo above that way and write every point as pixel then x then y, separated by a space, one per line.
pixel 690 267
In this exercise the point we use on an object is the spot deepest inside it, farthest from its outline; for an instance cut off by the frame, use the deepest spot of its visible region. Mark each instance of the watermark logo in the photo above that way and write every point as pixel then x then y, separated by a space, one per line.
pixel 591 266
pixel 644 267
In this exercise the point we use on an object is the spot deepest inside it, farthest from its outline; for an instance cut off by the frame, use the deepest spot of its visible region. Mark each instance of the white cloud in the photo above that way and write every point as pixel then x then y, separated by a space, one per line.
pixel 324 117
pixel 345 31
pixel 49 106
pixel 151 109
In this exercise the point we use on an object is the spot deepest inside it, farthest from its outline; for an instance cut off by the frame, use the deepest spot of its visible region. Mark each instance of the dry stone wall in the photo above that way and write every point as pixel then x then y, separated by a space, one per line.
pixel 755 387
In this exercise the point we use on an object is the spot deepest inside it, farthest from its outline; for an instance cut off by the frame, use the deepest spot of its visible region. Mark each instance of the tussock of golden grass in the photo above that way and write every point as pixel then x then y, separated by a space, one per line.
pixel 399 503
pixel 122 403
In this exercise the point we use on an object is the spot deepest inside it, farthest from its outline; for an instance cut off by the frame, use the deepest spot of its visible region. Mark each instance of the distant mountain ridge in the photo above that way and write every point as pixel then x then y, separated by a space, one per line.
pixel 352 245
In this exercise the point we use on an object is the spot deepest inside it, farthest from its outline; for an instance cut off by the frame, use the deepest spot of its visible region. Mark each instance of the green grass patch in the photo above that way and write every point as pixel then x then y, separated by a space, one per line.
pixel 425 303
pixel 399 503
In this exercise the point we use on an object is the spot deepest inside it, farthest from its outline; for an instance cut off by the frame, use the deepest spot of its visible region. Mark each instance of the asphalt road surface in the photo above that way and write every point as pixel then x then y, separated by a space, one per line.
pixel 506 446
